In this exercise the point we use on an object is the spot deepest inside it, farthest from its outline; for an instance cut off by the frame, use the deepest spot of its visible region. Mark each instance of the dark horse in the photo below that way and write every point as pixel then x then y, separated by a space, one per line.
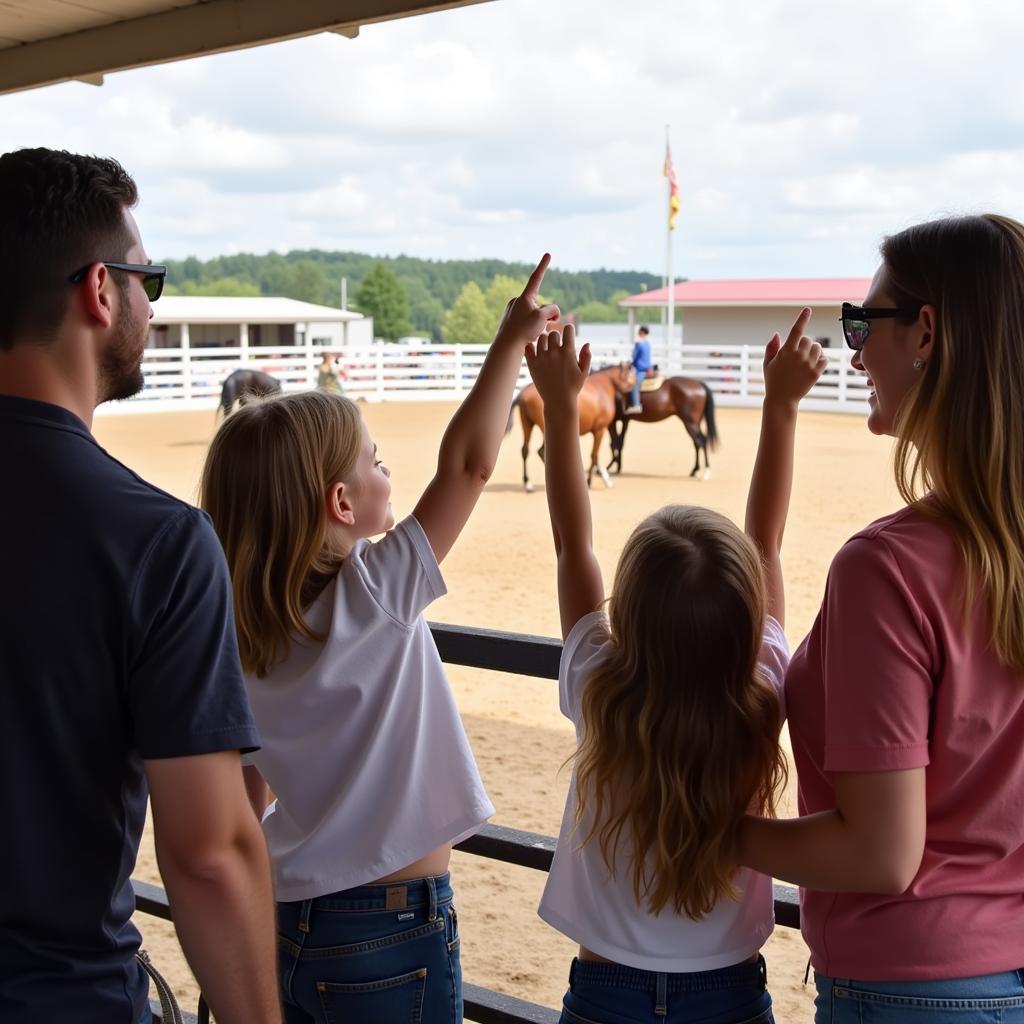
pixel 691 400
pixel 243 384
pixel 596 409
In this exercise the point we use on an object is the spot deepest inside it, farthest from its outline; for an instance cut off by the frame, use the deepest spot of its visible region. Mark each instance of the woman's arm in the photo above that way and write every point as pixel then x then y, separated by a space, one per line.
pixel 790 371
pixel 872 841
pixel 559 377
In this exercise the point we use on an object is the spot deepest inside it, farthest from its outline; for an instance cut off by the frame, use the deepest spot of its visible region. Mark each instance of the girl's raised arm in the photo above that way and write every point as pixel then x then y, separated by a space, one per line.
pixel 559 376
pixel 470 445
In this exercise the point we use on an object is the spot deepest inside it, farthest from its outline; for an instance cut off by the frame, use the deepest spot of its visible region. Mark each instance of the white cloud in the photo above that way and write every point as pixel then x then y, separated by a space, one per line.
pixel 801 133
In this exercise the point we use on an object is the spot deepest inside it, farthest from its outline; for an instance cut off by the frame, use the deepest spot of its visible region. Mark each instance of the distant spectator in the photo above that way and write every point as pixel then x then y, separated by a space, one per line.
pixel 330 374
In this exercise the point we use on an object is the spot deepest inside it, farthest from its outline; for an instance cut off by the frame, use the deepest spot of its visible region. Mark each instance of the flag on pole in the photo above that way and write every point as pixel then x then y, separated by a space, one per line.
pixel 673 189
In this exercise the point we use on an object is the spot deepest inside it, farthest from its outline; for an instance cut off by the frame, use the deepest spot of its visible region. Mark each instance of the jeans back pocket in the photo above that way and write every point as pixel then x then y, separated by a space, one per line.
pixel 398 1000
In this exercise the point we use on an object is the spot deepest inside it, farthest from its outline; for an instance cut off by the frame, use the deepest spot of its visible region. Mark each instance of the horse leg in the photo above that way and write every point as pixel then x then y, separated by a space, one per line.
pixel 616 437
pixel 707 465
pixel 525 450
pixel 594 463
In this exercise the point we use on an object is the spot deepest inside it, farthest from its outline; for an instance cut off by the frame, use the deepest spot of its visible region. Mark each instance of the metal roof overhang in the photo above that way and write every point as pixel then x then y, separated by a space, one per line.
pixel 47 41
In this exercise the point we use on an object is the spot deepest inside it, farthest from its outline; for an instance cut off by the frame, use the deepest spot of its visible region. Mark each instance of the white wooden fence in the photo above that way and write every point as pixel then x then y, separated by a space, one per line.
pixel 192 378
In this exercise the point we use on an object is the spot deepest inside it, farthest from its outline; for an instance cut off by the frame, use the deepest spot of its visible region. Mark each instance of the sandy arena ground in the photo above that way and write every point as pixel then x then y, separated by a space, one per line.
pixel 501 575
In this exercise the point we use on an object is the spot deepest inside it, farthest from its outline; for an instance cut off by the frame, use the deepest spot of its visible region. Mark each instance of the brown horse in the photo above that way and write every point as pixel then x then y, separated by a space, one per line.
pixel 596 409
pixel 689 399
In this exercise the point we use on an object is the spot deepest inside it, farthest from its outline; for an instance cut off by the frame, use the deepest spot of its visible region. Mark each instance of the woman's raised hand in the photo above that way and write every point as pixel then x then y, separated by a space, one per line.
pixel 792 368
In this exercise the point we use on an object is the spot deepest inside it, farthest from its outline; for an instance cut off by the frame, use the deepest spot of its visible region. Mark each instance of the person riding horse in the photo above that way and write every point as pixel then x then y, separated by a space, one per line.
pixel 641 362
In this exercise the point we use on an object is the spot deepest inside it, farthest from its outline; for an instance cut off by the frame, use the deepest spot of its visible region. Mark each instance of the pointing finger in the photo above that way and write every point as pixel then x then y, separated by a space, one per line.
pixel 797 330
pixel 533 285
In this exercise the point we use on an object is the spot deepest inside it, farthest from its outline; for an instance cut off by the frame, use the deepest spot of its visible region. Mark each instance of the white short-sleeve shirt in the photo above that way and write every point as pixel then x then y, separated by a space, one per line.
pixel 601 913
pixel 362 742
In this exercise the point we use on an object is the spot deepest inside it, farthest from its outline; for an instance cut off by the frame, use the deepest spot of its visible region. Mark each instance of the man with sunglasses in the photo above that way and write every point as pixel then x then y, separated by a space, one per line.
pixel 119 669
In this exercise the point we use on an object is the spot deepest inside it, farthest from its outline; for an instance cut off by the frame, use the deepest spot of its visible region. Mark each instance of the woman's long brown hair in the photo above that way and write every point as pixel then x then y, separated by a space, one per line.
pixel 960 432
pixel 679 733
pixel 264 485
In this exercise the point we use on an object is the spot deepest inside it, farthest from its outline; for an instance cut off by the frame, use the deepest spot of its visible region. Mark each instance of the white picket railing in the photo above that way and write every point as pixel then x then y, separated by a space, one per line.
pixel 192 378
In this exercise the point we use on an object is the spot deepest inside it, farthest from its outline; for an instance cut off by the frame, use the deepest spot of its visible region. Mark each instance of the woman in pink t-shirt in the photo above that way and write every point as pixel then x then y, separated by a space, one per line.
pixel 906 700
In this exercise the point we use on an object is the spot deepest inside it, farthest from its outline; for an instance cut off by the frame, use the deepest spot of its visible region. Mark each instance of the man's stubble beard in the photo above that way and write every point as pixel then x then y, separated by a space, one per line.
pixel 120 374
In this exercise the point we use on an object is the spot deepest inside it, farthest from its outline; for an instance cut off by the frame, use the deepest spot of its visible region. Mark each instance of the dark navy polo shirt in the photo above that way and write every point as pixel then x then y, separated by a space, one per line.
pixel 117 643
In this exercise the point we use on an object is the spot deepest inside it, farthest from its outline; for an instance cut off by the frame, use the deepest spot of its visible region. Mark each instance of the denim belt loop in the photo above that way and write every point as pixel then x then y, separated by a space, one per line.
pixel 661 995
pixel 304 912
pixel 572 974
pixel 763 965
pixel 432 892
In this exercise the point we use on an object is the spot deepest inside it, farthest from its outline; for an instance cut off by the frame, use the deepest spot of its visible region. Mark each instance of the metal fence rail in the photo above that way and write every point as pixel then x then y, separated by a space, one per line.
pixel 191 378
pixel 523 655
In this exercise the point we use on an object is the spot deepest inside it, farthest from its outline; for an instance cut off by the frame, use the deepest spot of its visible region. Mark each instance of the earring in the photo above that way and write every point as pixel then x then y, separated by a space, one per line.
pixel 918 364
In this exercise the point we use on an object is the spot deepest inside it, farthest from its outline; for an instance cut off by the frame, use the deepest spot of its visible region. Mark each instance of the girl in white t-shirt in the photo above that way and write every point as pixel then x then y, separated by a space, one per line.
pixel 363 747
pixel 676 695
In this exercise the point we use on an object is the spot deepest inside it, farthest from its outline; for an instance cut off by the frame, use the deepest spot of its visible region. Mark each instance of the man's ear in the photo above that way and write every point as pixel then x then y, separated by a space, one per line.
pixel 926 324
pixel 339 508
pixel 97 294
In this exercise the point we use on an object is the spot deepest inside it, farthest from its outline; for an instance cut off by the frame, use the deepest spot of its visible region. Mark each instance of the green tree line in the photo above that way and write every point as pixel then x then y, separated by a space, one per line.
pixel 450 300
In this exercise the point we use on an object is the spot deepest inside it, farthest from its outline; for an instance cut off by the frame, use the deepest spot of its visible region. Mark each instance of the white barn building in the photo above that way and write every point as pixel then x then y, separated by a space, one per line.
pixel 200 321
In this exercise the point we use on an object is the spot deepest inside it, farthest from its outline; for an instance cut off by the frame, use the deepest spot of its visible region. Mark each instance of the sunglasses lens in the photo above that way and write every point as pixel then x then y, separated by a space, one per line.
pixel 856 332
pixel 154 285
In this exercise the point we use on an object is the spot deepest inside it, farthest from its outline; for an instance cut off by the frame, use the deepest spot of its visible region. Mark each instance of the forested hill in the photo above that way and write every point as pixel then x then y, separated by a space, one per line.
pixel 443 299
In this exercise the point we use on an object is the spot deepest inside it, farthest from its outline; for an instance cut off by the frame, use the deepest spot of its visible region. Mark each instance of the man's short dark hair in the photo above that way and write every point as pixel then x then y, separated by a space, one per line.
pixel 643 330
pixel 59 212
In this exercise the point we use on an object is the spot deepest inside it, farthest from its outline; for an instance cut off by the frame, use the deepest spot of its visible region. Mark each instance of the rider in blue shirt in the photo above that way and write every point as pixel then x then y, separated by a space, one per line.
pixel 641 364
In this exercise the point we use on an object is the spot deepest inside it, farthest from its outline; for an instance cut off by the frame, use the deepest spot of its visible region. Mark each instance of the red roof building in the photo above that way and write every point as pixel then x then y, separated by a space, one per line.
pixel 795 291
pixel 744 312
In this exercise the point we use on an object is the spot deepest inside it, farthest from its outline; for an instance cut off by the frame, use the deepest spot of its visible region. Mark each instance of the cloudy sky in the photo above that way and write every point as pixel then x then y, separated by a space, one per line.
pixel 802 132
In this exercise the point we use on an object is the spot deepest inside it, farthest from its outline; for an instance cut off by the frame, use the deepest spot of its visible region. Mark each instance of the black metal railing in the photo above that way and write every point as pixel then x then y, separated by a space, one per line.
pixel 517 654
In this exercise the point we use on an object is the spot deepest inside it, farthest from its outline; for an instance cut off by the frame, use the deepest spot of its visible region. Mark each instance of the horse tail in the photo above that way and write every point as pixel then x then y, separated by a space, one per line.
pixel 511 412
pixel 709 417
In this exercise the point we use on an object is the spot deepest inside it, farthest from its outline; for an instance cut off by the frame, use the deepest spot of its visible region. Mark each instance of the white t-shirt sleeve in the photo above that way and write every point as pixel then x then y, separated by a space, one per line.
pixel 400 571
pixel 585 648
pixel 774 659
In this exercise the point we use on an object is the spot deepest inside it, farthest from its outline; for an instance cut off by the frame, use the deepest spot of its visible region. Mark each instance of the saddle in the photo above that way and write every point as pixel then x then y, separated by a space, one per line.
pixel 651 382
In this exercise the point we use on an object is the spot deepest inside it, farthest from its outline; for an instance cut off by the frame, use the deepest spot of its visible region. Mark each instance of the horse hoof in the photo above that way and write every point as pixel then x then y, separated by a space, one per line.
pixel 706 475
pixel 528 488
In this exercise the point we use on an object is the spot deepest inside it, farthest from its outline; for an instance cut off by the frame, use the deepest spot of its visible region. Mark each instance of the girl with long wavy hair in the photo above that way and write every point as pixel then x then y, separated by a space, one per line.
pixel 363 746
pixel 906 700
pixel 675 693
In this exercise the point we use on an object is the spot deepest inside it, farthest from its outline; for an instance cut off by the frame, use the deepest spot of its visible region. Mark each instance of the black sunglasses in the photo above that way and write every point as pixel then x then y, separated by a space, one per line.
pixel 153 275
pixel 857 321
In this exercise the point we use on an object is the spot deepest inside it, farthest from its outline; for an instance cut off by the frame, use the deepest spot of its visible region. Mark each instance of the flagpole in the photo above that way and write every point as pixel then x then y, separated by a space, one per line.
pixel 669 275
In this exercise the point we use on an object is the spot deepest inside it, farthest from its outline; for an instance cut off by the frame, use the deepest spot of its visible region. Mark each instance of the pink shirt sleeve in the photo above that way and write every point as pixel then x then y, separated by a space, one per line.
pixel 878 657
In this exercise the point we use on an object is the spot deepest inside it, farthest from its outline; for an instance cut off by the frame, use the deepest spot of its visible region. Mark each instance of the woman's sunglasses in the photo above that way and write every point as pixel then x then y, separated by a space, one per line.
pixel 153 275
pixel 857 321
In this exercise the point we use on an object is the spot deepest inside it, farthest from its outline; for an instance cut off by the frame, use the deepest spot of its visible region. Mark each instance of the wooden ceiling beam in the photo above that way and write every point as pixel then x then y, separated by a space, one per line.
pixel 202 28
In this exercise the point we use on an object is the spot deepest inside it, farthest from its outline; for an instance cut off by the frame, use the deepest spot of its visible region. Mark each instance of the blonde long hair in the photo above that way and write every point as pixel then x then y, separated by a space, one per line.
pixel 264 485
pixel 679 733
pixel 960 432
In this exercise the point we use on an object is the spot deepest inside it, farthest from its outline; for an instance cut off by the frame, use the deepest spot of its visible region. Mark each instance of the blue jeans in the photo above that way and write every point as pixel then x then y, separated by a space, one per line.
pixel 613 994
pixel 985 999
pixel 375 954
pixel 634 391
